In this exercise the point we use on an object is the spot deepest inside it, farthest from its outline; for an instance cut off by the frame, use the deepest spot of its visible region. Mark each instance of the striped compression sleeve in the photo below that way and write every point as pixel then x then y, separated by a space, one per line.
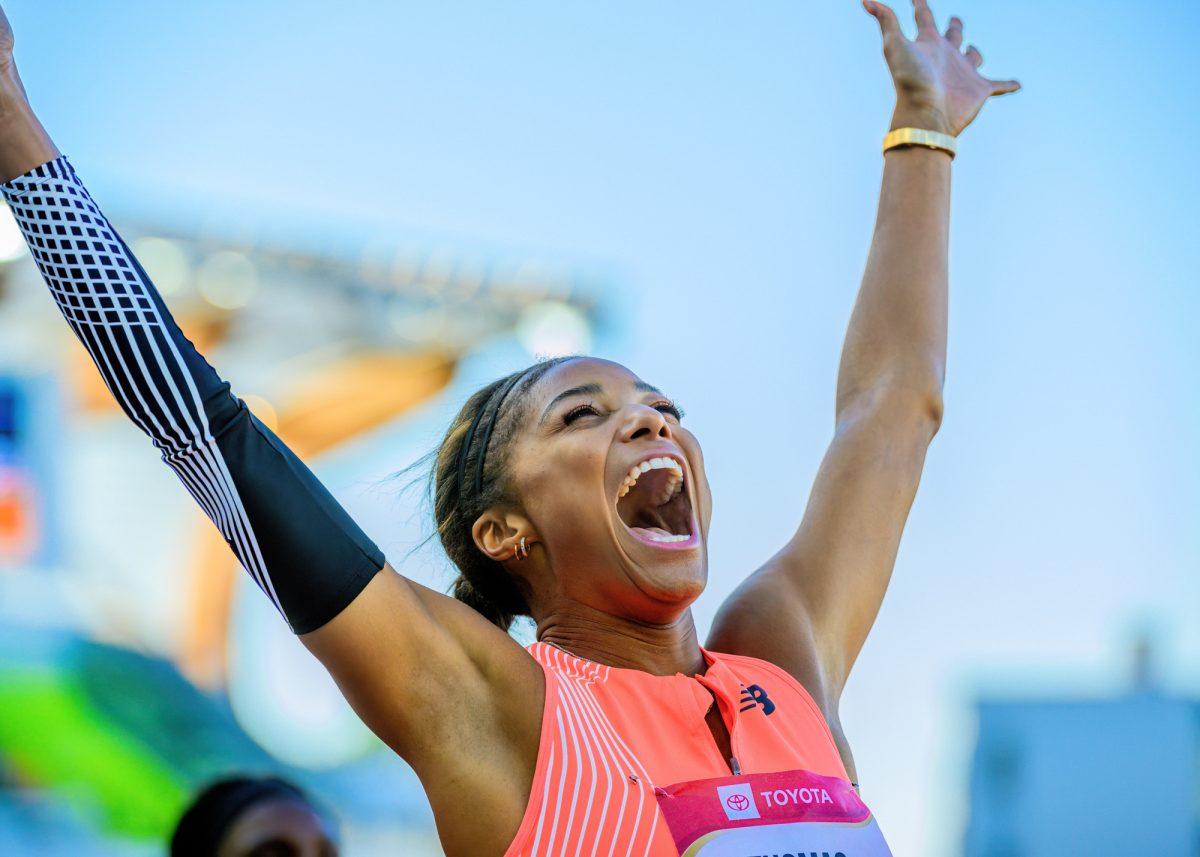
pixel 302 549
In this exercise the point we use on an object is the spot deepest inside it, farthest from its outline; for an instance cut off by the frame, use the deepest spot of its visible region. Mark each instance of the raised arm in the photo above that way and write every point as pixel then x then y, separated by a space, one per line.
pixel 408 658
pixel 809 609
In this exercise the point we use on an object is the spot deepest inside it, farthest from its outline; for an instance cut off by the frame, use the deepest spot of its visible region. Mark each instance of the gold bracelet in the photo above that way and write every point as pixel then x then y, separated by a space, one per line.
pixel 919 137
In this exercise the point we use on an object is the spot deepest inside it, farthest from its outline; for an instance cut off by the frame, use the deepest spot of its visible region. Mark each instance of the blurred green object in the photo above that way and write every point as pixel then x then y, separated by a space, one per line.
pixel 193 733
pixel 123 738
pixel 51 734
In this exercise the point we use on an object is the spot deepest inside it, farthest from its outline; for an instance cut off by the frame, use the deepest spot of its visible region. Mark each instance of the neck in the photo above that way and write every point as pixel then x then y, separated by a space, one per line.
pixel 625 643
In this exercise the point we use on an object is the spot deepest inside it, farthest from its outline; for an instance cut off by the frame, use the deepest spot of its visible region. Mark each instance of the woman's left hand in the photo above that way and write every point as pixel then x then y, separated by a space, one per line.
pixel 937 83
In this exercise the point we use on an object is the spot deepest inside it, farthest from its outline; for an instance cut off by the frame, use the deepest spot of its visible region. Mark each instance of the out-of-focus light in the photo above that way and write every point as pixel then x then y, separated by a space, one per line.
pixel 262 409
pixel 374 260
pixel 436 270
pixel 12 243
pixel 404 267
pixel 227 280
pixel 468 280
pixel 165 262
pixel 18 525
pixel 552 329
pixel 282 696
pixel 417 326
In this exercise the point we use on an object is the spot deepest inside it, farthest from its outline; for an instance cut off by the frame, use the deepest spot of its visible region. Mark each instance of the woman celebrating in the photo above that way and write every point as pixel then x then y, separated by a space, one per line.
pixel 571 492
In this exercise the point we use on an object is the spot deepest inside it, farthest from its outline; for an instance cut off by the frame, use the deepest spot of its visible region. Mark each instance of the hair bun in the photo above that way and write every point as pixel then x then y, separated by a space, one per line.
pixel 496 607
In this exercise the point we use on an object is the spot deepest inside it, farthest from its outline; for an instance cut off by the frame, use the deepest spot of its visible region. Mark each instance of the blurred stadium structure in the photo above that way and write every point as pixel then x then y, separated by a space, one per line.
pixel 1096 776
pixel 130 670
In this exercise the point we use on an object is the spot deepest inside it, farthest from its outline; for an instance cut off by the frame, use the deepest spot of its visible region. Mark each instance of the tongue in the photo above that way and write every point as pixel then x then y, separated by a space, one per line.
pixel 651 531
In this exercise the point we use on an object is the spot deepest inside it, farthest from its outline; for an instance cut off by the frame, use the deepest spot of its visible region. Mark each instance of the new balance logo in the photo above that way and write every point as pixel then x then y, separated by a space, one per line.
pixel 755 695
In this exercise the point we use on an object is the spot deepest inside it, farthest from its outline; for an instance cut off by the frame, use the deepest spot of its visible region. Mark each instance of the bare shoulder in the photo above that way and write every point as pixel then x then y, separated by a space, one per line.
pixel 454 695
pixel 764 618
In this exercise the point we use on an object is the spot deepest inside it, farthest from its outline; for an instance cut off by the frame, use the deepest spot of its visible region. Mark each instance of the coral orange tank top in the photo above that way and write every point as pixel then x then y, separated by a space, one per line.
pixel 627 766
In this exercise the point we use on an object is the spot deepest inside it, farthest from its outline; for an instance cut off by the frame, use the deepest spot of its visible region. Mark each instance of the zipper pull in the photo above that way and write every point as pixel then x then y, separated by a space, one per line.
pixel 734 766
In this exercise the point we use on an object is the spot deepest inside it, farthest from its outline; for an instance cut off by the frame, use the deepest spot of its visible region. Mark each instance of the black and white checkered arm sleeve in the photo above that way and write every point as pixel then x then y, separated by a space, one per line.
pixel 298 544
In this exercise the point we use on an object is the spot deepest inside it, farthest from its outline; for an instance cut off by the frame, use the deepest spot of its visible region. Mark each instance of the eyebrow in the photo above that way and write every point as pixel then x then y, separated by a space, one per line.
pixel 592 390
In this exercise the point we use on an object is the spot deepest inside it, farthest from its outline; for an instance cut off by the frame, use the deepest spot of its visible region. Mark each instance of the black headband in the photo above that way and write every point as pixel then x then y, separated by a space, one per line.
pixel 477 484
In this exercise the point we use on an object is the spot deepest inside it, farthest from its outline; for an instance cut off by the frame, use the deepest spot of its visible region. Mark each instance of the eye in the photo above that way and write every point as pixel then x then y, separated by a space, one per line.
pixel 669 408
pixel 577 412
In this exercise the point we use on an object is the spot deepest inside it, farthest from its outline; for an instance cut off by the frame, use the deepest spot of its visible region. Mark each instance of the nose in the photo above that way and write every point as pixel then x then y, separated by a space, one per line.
pixel 645 422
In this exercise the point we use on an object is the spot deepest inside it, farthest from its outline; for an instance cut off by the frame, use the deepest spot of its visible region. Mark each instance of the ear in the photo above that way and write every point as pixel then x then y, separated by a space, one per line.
pixel 497 533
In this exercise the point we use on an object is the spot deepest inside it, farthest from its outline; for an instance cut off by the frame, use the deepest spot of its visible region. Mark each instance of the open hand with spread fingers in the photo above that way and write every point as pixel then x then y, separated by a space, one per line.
pixel 935 79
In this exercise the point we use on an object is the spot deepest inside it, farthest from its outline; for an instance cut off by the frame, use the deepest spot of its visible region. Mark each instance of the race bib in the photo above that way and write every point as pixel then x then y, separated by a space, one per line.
pixel 785 814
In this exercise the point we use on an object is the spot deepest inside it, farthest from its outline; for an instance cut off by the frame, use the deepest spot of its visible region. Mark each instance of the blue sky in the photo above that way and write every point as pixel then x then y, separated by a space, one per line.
pixel 724 164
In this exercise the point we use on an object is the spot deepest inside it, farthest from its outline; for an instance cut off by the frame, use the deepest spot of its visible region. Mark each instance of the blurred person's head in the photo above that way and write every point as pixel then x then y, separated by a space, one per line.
pixel 558 442
pixel 253 817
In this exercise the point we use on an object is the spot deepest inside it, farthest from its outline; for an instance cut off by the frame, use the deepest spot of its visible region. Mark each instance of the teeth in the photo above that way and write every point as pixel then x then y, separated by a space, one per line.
pixel 674 484
pixel 655 537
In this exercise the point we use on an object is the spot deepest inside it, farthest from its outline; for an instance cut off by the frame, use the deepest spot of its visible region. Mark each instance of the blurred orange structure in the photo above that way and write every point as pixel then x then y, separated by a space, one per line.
pixel 323 349
pixel 18 517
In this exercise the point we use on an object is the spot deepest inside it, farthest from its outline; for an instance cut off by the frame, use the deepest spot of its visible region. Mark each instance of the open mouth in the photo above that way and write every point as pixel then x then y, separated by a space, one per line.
pixel 653 505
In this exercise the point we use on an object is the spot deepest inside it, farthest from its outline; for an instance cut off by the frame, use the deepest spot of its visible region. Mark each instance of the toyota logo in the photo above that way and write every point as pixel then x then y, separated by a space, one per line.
pixel 738 803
